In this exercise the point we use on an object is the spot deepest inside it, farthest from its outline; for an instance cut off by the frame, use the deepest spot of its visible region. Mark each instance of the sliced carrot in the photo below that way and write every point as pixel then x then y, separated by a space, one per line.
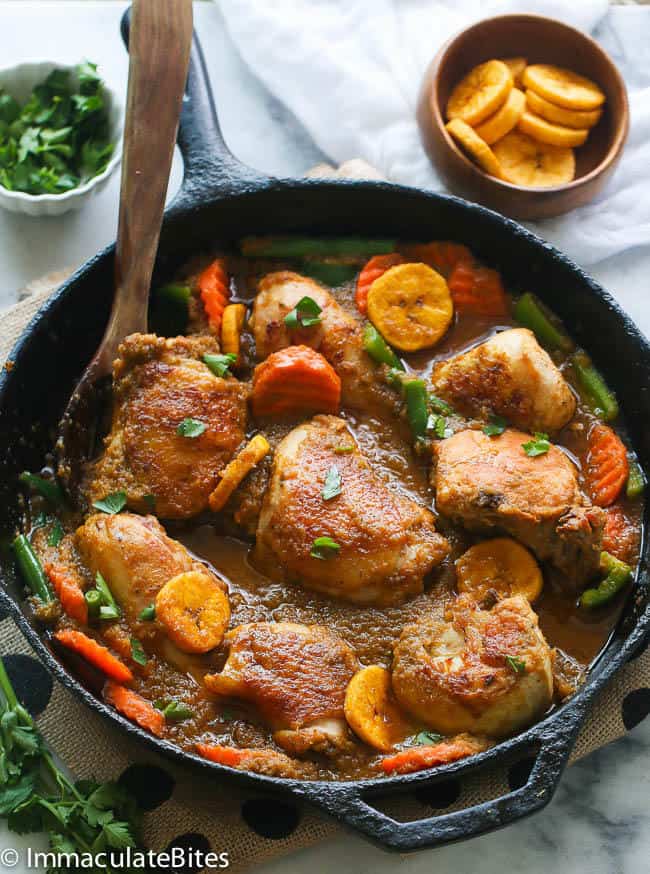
pixel 607 465
pixel 95 653
pixel 477 289
pixel 213 287
pixel 220 754
pixel 418 758
pixel 620 535
pixel 372 270
pixel 68 591
pixel 443 255
pixel 134 707
pixel 237 469
pixel 295 380
pixel 232 323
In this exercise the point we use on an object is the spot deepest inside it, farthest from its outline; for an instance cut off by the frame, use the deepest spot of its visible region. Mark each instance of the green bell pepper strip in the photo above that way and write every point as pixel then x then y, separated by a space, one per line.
pixel 529 312
pixel 594 386
pixel 31 569
pixel 617 574
pixel 417 407
pixel 299 247
pixel 378 348
pixel 332 275
pixel 635 480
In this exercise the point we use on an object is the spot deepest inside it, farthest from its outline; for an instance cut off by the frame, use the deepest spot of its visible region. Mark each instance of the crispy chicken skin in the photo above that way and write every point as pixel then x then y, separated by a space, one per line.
pixel 484 672
pixel 509 375
pixel 338 337
pixel 387 542
pixel 489 483
pixel 296 676
pixel 157 384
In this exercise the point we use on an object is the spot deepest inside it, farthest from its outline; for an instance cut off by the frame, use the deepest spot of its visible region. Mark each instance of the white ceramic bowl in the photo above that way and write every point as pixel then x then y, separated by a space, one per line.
pixel 19 81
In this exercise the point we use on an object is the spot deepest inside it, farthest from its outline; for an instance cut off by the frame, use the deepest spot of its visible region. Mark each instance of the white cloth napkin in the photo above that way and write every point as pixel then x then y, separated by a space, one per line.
pixel 350 71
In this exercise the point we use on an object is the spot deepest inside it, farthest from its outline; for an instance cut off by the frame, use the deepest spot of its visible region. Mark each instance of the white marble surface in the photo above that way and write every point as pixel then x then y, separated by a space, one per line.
pixel 599 821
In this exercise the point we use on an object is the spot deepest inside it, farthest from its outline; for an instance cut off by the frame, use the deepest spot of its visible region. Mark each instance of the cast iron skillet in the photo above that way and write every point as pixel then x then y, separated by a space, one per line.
pixel 222 200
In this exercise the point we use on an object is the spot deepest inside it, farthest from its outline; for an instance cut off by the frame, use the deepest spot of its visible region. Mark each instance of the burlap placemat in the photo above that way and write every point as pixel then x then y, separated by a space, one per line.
pixel 188 809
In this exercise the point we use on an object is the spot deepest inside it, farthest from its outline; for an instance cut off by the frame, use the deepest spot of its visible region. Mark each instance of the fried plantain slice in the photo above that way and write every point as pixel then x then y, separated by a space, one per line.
pixel 194 610
pixel 504 119
pixel 558 115
pixel 476 148
pixel 524 161
pixel 516 66
pixel 563 87
pixel 372 711
pixel 553 134
pixel 480 93
pixel 411 306
pixel 501 568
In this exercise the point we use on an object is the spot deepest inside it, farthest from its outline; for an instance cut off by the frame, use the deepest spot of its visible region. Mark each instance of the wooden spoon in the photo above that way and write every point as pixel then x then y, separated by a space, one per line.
pixel 159 51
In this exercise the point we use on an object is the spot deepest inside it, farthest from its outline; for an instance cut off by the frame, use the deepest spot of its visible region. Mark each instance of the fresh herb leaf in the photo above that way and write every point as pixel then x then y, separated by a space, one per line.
pixel 56 534
pixel 439 406
pixel 324 548
pixel 516 665
pixel 495 426
pixel 137 653
pixel 174 711
pixel 539 446
pixel 427 737
pixel 111 504
pixel 148 614
pixel 344 450
pixel 47 488
pixel 437 424
pixel 332 486
pixel 220 364
pixel 305 314
pixel 191 428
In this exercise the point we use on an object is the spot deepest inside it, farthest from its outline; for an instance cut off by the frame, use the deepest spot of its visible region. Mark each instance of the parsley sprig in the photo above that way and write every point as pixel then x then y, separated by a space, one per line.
pixel 36 796
pixel 305 314
pixel 538 446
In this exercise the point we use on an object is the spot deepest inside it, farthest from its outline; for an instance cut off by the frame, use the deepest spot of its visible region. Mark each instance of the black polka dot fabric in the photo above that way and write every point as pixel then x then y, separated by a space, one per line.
pixel 31 681
pixel 194 845
pixel 636 706
pixel 519 773
pixel 150 785
pixel 440 795
pixel 270 818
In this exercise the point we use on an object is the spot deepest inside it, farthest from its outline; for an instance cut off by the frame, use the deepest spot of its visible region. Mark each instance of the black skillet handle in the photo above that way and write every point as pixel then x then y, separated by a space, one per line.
pixel 352 806
pixel 210 168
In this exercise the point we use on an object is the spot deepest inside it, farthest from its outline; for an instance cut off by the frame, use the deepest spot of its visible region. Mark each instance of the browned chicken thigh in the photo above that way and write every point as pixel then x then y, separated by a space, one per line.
pixel 159 383
pixel 509 375
pixel 385 544
pixel 296 676
pixel 338 336
pixel 489 483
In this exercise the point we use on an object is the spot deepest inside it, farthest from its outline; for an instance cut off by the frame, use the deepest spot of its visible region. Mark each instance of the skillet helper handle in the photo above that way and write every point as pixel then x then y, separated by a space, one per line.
pixel 353 806
pixel 161 35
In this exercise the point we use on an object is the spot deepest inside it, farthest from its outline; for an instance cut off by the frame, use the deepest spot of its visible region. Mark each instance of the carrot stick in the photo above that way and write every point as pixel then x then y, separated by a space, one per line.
pixel 294 380
pixel 220 754
pixel 418 758
pixel 607 465
pixel 130 704
pixel 213 286
pixel 477 289
pixel 68 591
pixel 372 270
pixel 442 255
pixel 95 653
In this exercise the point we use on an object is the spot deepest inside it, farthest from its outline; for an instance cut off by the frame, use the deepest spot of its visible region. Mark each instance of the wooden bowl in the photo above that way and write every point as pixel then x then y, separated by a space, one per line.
pixel 540 40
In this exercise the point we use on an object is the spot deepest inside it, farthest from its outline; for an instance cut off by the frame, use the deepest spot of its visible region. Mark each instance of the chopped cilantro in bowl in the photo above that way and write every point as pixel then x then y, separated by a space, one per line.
pixel 60 128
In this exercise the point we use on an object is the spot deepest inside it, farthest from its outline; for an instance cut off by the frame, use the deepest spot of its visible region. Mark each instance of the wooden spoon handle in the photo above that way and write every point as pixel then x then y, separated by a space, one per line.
pixel 159 50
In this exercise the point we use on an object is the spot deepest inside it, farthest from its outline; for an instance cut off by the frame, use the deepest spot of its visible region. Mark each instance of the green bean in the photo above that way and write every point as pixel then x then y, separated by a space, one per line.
pixel 594 386
pixel 93 602
pixel 635 480
pixel 48 488
pixel 530 313
pixel 106 598
pixel 170 309
pixel 617 574
pixel 31 569
pixel 417 411
pixel 328 273
pixel 298 247
pixel 378 348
